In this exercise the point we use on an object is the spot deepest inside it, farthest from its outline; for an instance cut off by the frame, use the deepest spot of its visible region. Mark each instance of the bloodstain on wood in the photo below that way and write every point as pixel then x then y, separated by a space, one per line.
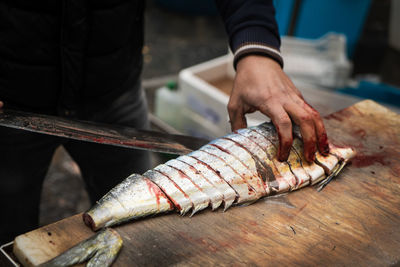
pixel 362 160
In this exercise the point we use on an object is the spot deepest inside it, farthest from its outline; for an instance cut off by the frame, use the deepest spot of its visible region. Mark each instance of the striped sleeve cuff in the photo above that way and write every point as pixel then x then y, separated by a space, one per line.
pixel 257 49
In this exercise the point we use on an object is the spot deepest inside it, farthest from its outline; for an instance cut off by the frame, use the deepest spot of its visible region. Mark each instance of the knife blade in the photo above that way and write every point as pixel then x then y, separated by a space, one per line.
pixel 100 133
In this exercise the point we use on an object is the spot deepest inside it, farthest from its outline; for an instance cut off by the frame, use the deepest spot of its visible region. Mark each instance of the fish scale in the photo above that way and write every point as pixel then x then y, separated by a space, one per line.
pixel 229 195
pixel 134 197
pixel 243 190
pixel 199 199
pixel 208 188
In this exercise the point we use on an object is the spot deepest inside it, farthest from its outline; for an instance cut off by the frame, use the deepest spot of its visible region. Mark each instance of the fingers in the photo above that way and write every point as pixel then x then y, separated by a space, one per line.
pixel 322 137
pixel 1 104
pixel 283 125
pixel 305 120
pixel 236 116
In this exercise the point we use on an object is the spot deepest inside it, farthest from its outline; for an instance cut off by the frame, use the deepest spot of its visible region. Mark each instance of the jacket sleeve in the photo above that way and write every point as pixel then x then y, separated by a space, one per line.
pixel 251 28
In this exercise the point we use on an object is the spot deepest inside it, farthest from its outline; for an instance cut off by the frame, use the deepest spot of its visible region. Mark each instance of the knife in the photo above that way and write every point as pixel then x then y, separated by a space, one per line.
pixel 100 133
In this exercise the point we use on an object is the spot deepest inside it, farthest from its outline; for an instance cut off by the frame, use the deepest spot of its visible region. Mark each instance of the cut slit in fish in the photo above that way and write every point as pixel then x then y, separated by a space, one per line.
pixel 197 178
pixel 243 190
pixel 241 161
pixel 178 197
pixel 229 195
pixel 199 199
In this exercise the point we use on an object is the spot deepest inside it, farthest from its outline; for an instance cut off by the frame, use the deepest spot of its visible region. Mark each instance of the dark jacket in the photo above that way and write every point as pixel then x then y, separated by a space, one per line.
pixel 57 55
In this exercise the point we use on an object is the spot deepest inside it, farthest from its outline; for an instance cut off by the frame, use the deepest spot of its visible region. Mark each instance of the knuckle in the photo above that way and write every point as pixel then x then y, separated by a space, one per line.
pixel 284 121
pixel 232 106
pixel 305 117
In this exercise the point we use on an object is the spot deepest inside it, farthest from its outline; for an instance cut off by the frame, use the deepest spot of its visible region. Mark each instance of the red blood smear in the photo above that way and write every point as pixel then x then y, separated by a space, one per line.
pixel 282 146
pixel 157 193
pixel 323 144
pixel 361 160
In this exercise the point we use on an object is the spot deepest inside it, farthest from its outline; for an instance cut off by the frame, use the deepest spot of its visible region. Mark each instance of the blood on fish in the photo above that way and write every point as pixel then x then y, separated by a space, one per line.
pixel 156 191
pixel 324 144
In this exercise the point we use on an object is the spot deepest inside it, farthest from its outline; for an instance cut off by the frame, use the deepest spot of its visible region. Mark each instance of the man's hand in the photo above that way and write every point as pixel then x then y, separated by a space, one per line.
pixel 261 84
pixel 1 104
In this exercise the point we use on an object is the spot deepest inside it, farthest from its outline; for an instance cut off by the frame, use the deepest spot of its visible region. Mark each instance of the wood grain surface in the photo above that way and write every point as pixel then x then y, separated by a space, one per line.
pixel 354 221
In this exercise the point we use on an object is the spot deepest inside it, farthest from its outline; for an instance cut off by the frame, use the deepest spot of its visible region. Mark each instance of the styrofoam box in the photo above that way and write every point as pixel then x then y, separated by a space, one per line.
pixel 207 100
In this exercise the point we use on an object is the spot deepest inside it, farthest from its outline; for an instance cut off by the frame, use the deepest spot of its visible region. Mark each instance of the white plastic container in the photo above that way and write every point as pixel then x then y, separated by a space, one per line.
pixel 168 105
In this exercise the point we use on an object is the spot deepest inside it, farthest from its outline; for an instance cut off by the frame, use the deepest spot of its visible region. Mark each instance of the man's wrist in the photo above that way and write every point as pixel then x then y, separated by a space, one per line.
pixel 258 50
pixel 252 61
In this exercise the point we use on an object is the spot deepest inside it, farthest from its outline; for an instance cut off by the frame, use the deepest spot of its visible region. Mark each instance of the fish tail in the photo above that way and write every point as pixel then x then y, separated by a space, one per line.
pixel 101 249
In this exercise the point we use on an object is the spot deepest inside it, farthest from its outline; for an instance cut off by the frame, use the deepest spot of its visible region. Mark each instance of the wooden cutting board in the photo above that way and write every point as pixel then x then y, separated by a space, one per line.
pixel 353 221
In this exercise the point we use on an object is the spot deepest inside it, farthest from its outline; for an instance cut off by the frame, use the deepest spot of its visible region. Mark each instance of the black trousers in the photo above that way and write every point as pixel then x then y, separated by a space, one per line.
pixel 25 158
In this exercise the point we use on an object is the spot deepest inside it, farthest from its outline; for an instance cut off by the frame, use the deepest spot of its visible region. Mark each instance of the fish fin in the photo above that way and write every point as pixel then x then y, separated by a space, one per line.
pixel 184 211
pixel 319 179
pixel 102 257
pixel 334 173
pixel 199 208
pixel 228 203
pixel 215 205
pixel 102 249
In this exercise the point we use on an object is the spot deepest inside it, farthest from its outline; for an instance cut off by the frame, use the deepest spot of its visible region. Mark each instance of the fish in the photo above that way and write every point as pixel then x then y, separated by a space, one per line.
pixel 236 169
pixel 99 250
